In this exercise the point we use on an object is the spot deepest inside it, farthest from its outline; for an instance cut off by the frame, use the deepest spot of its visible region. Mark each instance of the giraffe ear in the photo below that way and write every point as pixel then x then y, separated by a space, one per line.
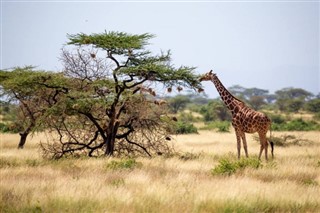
pixel 210 72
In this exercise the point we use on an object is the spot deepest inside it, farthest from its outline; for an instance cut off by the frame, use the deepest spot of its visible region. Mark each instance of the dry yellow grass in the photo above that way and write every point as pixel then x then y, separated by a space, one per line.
pixel 183 183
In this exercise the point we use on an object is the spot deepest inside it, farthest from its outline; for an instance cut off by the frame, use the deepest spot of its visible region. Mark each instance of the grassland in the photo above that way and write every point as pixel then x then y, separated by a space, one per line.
pixel 184 182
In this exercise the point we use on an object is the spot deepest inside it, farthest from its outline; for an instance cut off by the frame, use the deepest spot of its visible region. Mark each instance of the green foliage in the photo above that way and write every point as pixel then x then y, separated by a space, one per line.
pixel 187 117
pixel 220 126
pixel 296 125
pixel 277 119
pixel 178 103
pixel 140 62
pixel 215 110
pixel 316 116
pixel 123 164
pixel 313 105
pixel 10 127
pixel 256 102
pixel 293 93
pixel 228 166
pixel 185 128
pixel 4 128
pixel 118 42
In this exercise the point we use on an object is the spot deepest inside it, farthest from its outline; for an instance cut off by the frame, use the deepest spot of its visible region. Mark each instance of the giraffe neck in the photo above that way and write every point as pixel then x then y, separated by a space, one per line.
pixel 232 103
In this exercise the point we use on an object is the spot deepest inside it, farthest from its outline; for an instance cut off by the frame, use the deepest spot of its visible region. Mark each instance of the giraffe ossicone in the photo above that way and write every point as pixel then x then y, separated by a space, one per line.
pixel 244 119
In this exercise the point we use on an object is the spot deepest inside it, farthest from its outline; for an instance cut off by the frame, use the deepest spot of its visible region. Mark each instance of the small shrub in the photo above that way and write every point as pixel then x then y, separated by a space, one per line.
pixel 123 164
pixel 4 128
pixel 187 117
pixel 9 128
pixel 229 167
pixel 316 116
pixel 277 119
pixel 225 167
pixel 220 126
pixel 185 128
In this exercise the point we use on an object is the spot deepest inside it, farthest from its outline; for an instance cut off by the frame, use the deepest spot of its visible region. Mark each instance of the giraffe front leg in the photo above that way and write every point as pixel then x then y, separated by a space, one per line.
pixel 238 143
pixel 266 149
pixel 244 141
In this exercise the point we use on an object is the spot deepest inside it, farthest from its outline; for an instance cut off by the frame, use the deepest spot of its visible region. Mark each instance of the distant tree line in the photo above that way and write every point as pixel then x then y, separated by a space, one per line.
pixel 287 100
pixel 281 107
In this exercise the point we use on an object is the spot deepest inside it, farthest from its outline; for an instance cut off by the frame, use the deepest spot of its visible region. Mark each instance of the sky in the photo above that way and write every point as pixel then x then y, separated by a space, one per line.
pixel 264 44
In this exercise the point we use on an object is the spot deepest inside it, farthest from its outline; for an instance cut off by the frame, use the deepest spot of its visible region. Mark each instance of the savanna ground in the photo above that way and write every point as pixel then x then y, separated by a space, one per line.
pixel 185 182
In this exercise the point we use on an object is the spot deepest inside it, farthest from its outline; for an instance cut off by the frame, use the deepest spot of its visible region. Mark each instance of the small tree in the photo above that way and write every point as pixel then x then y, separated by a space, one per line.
pixel 27 89
pixel 110 104
pixel 313 105
pixel 178 102
pixel 215 110
pixel 256 102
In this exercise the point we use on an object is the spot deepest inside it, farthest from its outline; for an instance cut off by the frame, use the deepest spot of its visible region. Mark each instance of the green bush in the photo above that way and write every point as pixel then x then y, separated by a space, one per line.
pixel 296 125
pixel 220 126
pixel 9 128
pixel 229 167
pixel 4 128
pixel 185 128
pixel 187 117
pixel 316 116
pixel 277 119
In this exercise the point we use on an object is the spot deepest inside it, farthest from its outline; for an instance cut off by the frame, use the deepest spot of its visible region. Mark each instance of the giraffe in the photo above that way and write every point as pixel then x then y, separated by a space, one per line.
pixel 244 119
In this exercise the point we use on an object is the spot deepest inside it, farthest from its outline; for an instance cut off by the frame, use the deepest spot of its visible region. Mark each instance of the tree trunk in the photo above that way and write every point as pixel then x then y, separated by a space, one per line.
pixel 111 137
pixel 23 138
pixel 24 135
pixel 110 145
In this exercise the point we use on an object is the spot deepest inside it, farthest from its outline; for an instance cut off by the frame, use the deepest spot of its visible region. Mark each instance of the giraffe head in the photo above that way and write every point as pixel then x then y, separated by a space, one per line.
pixel 208 76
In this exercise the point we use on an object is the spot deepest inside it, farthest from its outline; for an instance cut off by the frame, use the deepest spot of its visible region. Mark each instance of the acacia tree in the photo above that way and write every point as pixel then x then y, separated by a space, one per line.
pixel 27 88
pixel 110 104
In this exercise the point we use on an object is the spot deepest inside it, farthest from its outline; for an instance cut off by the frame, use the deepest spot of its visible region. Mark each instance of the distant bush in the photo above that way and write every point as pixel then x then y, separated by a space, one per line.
pixel 277 119
pixel 227 166
pixel 296 125
pixel 4 128
pixel 187 117
pixel 316 116
pixel 9 128
pixel 185 128
pixel 220 126
pixel 313 105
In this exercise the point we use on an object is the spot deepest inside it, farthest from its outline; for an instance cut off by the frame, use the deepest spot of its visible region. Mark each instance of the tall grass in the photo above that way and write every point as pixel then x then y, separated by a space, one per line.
pixel 186 182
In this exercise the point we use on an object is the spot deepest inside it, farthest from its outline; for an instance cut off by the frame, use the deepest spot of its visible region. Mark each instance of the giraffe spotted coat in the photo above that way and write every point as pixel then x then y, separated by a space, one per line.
pixel 244 119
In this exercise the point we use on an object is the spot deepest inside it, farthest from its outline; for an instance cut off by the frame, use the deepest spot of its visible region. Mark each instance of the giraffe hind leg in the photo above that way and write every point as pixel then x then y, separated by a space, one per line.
pixel 263 145
pixel 271 143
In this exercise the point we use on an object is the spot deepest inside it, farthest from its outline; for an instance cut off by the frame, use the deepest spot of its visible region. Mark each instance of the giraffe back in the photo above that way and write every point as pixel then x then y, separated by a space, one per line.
pixel 250 121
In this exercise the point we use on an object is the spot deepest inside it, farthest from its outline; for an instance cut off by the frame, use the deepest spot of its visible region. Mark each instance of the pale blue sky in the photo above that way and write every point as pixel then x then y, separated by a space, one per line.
pixel 263 44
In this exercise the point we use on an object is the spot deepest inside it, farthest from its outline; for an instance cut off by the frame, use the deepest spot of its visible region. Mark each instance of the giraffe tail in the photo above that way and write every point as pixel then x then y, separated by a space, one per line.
pixel 271 143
